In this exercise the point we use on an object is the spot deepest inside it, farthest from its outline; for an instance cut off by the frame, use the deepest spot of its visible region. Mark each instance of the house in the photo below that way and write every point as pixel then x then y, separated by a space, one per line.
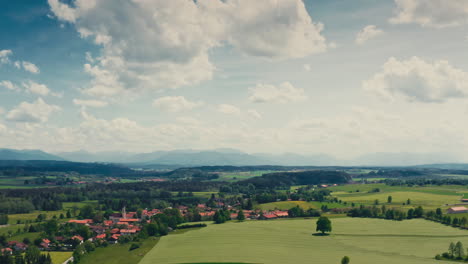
pixel 45 243
pixel 457 210
pixel 7 251
pixel 281 213
pixel 128 231
pixel 464 200
pixel 128 221
pixel 21 247
pixel 234 216
pixel 82 222
pixel 101 236
pixel 78 238
pixel 270 216
pixel 114 239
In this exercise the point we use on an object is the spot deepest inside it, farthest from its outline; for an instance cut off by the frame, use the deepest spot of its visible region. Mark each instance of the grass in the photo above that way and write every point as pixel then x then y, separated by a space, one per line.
pixel 365 241
pixel 286 205
pixel 59 257
pixel 119 253
pixel 20 237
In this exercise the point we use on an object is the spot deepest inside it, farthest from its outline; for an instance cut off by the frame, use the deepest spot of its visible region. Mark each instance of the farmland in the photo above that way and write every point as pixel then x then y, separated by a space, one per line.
pixel 429 197
pixel 291 241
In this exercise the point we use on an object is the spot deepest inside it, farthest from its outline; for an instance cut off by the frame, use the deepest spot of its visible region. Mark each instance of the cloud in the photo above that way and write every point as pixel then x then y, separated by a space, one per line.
pixel 35 112
pixel 9 85
pixel 418 80
pixel 255 114
pixel 166 44
pixel 30 67
pixel 283 93
pixel 4 56
pixel 175 104
pixel 229 109
pixel 431 13
pixel 36 88
pixel 367 33
pixel 90 103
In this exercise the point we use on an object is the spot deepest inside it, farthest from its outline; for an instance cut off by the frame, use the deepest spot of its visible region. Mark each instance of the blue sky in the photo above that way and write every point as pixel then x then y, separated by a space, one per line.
pixel 340 77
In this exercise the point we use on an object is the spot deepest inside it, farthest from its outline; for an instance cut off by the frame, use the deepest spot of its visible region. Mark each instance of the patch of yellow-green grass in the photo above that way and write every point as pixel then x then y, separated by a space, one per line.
pixel 70 205
pixel 119 253
pixel 13 218
pixel 22 236
pixel 286 205
pixel 426 200
pixel 365 241
pixel 59 257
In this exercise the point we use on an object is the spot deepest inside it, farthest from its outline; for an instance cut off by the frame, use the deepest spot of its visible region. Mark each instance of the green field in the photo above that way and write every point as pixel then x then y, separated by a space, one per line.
pixel 119 253
pixel 286 205
pixel 238 176
pixel 365 241
pixel 60 257
pixel 429 197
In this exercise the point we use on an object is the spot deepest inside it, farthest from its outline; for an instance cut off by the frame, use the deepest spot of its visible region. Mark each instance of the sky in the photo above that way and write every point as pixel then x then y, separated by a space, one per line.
pixel 339 77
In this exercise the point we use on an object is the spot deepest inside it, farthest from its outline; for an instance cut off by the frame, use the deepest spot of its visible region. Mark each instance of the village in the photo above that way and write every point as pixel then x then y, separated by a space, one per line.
pixel 125 225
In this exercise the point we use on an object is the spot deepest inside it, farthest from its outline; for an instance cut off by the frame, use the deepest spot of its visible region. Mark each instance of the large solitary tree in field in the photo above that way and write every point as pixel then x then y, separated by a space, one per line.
pixel 323 225
pixel 345 260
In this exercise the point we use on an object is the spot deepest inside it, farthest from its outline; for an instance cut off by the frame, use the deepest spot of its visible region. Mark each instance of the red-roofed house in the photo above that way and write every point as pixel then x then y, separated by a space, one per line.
pixel 128 231
pixel 457 210
pixel 7 251
pixel 82 222
pixel 79 238
pixel 281 213
pixel 101 236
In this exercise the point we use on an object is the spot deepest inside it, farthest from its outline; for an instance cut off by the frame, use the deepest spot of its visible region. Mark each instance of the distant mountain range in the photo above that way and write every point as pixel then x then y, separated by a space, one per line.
pixel 13 154
pixel 233 157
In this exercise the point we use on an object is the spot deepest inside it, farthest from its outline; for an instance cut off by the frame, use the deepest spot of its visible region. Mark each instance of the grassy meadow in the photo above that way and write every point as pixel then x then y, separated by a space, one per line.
pixel 365 241
pixel 286 205
pixel 60 257
pixel 429 197
pixel 120 253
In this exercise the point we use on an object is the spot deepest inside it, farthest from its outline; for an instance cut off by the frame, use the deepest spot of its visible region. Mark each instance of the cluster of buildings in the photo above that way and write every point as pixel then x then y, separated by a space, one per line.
pixel 121 224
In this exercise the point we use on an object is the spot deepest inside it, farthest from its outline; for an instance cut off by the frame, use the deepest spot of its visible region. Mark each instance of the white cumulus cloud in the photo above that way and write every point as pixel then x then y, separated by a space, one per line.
pixel 158 44
pixel 30 67
pixel 90 103
pixel 418 80
pixel 175 103
pixel 9 85
pixel 367 33
pixel 282 93
pixel 229 109
pixel 36 88
pixel 431 13
pixel 35 112
pixel 4 56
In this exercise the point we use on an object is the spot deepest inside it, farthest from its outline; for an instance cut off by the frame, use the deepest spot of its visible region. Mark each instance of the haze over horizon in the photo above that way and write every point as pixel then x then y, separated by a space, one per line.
pixel 344 78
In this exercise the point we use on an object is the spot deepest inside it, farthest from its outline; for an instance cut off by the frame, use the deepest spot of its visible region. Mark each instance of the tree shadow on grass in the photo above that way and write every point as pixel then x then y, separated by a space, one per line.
pixel 320 234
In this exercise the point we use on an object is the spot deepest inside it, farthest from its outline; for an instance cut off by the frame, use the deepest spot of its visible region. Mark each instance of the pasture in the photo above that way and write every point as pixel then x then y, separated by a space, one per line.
pixel 120 253
pixel 59 257
pixel 365 241
pixel 429 197
pixel 286 205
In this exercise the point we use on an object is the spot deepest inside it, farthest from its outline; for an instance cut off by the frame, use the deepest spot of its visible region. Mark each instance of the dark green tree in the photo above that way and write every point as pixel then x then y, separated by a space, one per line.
pixel 241 216
pixel 324 225
pixel 389 199
pixel 345 260
pixel 458 251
